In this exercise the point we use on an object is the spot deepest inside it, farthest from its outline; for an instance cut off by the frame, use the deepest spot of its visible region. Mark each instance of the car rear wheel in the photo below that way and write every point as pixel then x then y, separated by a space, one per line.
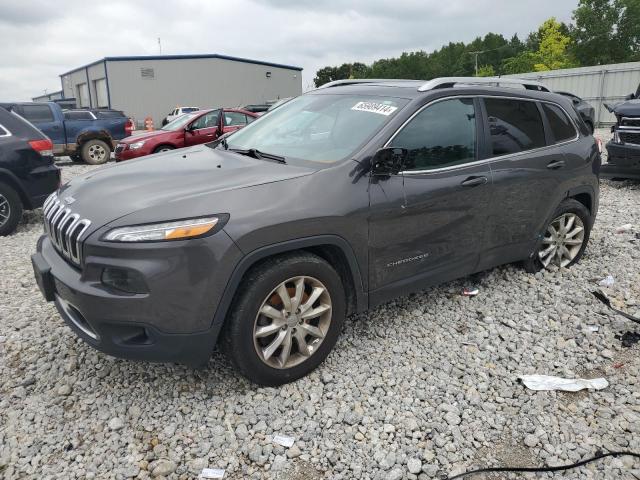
pixel 95 152
pixel 565 238
pixel 163 148
pixel 10 209
pixel 286 319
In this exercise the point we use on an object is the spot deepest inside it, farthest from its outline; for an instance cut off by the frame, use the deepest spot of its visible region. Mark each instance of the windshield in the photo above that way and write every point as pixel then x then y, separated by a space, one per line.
pixel 179 122
pixel 318 128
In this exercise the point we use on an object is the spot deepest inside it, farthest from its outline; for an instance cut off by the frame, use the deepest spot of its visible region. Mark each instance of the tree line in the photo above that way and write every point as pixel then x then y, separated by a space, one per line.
pixel 602 32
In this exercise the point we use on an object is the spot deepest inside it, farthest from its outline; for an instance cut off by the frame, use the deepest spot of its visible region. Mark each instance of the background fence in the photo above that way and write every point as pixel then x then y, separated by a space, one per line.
pixel 597 85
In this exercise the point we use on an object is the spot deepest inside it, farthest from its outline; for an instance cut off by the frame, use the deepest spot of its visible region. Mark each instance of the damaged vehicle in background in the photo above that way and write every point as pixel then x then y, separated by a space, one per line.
pixel 185 131
pixel 624 148
pixel 586 110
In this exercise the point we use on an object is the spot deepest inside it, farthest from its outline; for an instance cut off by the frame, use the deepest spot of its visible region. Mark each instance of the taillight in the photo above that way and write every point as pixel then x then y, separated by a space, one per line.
pixel 129 126
pixel 43 147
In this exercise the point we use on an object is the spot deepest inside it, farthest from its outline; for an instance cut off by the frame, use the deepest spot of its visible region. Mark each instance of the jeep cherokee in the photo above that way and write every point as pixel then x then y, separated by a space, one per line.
pixel 339 200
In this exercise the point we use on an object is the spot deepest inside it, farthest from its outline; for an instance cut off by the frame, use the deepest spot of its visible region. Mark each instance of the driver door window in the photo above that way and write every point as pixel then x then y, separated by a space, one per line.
pixel 210 120
pixel 442 135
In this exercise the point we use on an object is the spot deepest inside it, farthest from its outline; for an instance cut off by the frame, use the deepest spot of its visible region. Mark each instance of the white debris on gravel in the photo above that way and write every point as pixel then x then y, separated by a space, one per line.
pixel 419 387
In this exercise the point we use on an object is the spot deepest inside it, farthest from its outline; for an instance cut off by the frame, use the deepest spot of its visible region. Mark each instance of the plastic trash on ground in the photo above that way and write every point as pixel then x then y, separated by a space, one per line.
pixel 608 281
pixel 212 473
pixel 283 440
pixel 470 291
pixel 593 328
pixel 624 228
pixel 546 382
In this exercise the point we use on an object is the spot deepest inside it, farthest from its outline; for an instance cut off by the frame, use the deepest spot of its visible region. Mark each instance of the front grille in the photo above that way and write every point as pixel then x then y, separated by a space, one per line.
pixel 630 137
pixel 629 122
pixel 65 229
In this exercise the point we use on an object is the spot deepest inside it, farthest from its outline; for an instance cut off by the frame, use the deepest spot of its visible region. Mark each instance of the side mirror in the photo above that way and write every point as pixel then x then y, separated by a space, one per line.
pixel 631 96
pixel 389 161
pixel 576 101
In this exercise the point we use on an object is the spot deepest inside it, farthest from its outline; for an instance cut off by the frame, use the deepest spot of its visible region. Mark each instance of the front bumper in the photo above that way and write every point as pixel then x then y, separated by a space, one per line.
pixel 623 161
pixel 124 153
pixel 173 322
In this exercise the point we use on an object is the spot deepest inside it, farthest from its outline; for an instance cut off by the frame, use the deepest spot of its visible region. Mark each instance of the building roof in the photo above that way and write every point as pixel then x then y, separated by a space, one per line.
pixel 182 57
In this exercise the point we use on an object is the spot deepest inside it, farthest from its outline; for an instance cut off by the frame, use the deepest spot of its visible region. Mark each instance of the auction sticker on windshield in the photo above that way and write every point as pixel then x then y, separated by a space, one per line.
pixel 373 107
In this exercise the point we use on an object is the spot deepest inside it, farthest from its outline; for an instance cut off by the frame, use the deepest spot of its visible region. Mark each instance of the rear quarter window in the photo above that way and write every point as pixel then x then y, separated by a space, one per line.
pixel 561 126
pixel 514 125
pixel 37 113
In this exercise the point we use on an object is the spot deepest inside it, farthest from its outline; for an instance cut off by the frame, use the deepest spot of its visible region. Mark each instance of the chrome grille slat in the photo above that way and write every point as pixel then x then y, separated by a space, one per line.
pixel 65 229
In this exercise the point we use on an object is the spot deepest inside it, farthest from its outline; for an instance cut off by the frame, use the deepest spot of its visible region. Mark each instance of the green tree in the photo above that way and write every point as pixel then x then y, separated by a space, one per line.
pixel 553 51
pixel 486 71
pixel 606 31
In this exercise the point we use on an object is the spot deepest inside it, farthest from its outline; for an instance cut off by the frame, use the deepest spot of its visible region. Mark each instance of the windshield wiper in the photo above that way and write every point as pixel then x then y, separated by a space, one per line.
pixel 255 153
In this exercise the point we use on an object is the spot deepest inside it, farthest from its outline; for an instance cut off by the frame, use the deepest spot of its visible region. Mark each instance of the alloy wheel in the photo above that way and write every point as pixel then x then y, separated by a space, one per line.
pixel 292 322
pixel 5 210
pixel 562 241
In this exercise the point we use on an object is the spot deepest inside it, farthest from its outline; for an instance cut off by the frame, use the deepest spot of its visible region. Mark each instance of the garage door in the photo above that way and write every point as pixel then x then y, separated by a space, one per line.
pixel 101 92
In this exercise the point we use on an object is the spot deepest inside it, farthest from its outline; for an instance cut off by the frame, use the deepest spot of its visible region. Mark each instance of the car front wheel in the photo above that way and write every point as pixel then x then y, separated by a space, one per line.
pixel 286 319
pixel 564 239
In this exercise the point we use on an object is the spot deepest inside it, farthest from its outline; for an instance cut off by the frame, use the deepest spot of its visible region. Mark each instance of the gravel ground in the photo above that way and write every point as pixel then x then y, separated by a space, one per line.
pixel 422 387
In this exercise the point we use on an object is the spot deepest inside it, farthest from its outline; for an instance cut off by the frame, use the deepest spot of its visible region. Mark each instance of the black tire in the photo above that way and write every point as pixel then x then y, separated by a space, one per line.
pixel 95 152
pixel 76 158
pixel 163 148
pixel 533 264
pixel 257 286
pixel 10 209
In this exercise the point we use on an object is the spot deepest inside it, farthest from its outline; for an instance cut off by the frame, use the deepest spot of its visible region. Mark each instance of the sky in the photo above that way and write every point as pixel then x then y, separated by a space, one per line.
pixel 42 39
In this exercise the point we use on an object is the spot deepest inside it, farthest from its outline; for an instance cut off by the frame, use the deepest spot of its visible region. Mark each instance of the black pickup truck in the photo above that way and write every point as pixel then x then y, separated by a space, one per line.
pixel 624 148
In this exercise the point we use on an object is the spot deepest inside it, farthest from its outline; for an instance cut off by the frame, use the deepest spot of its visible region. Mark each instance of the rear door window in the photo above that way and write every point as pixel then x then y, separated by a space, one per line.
pixel 37 113
pixel 442 135
pixel 514 125
pixel 561 126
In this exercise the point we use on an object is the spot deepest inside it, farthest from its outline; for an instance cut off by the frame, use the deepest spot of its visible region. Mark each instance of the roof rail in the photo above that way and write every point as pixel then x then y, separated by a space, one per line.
pixel 448 82
pixel 355 81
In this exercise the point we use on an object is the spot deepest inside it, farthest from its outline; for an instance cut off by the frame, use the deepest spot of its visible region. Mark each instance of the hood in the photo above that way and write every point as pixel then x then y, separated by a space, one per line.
pixel 144 136
pixel 187 176
pixel 629 108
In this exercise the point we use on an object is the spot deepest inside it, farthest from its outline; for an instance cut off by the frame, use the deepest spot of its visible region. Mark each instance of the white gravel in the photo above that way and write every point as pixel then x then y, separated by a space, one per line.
pixel 421 387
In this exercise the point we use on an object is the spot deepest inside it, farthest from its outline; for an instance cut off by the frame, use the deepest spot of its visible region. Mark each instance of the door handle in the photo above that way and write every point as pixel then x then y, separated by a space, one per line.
pixel 556 164
pixel 474 181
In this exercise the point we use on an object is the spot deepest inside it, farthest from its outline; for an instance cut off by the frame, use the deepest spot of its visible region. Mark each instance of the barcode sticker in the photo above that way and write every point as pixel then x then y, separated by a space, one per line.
pixel 372 107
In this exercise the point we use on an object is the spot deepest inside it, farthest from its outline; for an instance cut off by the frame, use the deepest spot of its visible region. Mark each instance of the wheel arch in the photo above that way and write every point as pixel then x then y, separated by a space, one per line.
pixel 103 135
pixel 10 179
pixel 164 144
pixel 333 249
pixel 585 195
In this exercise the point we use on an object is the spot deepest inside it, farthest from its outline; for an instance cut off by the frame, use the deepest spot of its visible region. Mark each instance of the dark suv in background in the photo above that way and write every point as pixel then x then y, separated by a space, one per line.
pixel 27 171
pixel 339 200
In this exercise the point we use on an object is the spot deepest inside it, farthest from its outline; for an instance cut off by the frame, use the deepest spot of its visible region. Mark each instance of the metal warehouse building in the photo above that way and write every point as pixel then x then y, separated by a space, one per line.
pixel 152 86
pixel 597 85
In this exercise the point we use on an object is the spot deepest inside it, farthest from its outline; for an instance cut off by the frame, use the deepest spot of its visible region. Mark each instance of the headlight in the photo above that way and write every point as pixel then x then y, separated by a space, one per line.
pixel 155 232
pixel 137 145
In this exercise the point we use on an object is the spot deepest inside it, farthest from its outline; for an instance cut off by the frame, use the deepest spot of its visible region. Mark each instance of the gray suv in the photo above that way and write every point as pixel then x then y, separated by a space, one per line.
pixel 339 200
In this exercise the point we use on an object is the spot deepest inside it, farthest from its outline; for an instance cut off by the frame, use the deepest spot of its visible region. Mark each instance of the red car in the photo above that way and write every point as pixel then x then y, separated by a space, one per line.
pixel 190 129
